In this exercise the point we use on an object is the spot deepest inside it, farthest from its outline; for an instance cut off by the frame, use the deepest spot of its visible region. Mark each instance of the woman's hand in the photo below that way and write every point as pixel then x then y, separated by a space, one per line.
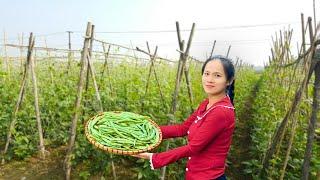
pixel 145 155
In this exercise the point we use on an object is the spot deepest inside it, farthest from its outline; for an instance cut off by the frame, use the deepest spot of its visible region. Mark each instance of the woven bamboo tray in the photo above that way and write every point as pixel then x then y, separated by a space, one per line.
pixel 117 151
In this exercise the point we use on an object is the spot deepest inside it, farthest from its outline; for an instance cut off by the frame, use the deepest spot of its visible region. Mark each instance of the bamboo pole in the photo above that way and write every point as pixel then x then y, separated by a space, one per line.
pixel 177 83
pixel 303 34
pixel 20 38
pixel 69 53
pixel 46 48
pixel 184 68
pixel 311 41
pixel 284 51
pixel 314 15
pixel 92 72
pixel 187 76
pixel 106 56
pixel 35 58
pixel 19 101
pixel 98 52
pixel 313 120
pixel 77 51
pixel 6 59
pixel 214 44
pixel 182 61
pixel 161 58
pixel 72 137
pixel 91 68
pixel 85 97
pixel 176 91
pixel 149 75
pixel 106 66
pixel 311 125
pixel 291 111
pixel 228 51
pixel 134 55
pixel 36 101
pixel 152 66
pixel 50 63
pixel 292 133
pixel 90 54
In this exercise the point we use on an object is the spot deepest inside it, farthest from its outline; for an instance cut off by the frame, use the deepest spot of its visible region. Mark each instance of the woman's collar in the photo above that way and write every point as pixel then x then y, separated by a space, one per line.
pixel 223 101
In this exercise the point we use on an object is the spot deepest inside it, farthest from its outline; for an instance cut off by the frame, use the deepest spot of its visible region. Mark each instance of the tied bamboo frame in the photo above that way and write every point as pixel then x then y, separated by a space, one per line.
pixel 118 151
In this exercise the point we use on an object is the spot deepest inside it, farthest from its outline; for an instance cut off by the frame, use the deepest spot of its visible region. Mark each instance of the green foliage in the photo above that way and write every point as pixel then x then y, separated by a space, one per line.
pixel 57 94
pixel 270 107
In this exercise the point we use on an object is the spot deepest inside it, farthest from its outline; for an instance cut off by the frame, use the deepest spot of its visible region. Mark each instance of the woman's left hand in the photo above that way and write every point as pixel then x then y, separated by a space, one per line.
pixel 145 155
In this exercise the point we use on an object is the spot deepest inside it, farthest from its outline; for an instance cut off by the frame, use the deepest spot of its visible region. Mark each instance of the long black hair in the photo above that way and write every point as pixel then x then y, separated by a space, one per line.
pixel 228 70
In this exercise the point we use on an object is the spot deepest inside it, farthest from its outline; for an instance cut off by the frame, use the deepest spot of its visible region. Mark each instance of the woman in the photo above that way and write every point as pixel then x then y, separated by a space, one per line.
pixel 209 128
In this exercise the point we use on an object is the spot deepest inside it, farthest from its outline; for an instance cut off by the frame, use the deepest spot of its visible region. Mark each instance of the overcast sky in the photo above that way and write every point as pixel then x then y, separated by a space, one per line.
pixel 246 25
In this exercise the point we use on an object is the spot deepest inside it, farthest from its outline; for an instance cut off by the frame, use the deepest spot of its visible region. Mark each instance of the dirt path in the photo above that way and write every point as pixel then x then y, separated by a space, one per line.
pixel 51 168
pixel 35 168
pixel 242 140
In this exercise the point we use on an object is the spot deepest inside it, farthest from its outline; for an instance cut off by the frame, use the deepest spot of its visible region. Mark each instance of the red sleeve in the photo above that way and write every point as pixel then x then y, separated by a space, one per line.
pixel 213 124
pixel 178 130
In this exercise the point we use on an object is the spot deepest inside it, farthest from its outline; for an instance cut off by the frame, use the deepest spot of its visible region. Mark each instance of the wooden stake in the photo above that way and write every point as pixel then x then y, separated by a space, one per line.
pixel 186 73
pixel 20 38
pixel 228 51
pixel 292 133
pixel 92 72
pixel 69 53
pixel 314 15
pixel 106 67
pixel 88 72
pixel 149 74
pixel 185 68
pixel 303 34
pixel 35 58
pixel 289 114
pixel 311 40
pixel 313 120
pixel 36 101
pixel 72 137
pixel 90 54
pixel 214 44
pixel 51 65
pixel 181 66
pixel 5 54
pixel 152 67
pixel 156 76
pixel 134 55
pixel 19 101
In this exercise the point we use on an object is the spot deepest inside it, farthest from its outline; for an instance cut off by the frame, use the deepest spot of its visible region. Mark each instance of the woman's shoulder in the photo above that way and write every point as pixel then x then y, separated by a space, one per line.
pixel 226 112
pixel 224 109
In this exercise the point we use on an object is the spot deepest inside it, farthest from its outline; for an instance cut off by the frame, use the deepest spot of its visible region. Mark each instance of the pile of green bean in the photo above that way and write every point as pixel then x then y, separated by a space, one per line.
pixel 123 131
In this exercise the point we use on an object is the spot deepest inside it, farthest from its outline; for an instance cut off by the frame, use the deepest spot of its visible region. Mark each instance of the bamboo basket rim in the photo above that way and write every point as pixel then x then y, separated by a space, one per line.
pixel 118 151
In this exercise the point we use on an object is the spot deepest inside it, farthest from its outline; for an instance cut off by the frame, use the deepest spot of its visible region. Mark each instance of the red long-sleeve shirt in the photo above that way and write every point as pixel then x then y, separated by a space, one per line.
pixel 209 138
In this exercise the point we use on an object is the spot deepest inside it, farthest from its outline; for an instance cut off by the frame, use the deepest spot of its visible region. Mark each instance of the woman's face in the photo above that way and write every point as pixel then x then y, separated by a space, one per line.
pixel 214 79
